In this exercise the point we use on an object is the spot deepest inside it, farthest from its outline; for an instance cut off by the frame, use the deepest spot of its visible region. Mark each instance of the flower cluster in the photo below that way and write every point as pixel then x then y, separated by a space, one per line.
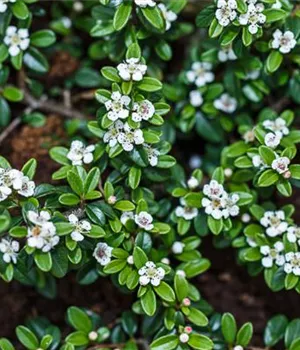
pixel 14 181
pixel 41 231
pixel 218 203
pixel 80 154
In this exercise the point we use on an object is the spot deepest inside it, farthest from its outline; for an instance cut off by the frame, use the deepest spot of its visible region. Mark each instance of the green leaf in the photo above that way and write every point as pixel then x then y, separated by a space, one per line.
pixel 197 317
pixel 13 94
pixel 59 154
pixel 181 287
pixel 200 342
pixel 27 338
pixel 214 225
pixel 154 16
pixel 295 171
pixel 245 334
pixel 292 333
pixel 274 61
pixel 4 112
pixel 167 342
pixel 139 257
pixel 267 154
pixel 274 15
pixel 149 85
pixel 148 302
pixel 124 205
pixel 69 199
pixel 43 261
pixel 77 338
pixel 20 10
pixel 92 180
pixel 79 319
pixel 29 168
pixel 229 328
pixel 165 292
pixel 75 182
pixel 42 38
pixel 111 74
pixel 34 60
pixel 275 330
pixel 267 178
pixel 5 344
pixel 134 177
pixel 122 15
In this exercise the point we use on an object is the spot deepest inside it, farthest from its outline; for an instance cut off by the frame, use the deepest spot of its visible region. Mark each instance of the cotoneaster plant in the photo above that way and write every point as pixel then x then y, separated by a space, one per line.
pixel 121 206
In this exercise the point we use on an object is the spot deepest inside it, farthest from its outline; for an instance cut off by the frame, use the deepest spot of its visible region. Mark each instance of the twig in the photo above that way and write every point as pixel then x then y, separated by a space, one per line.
pixel 142 342
pixel 11 127
pixel 85 95
pixel 281 104
pixel 52 106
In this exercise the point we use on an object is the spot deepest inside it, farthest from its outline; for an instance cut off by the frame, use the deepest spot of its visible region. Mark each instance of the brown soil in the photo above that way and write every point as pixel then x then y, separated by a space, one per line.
pixel 29 142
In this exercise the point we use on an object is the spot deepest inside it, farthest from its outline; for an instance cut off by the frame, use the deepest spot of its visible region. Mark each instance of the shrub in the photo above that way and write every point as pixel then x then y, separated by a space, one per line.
pixel 124 203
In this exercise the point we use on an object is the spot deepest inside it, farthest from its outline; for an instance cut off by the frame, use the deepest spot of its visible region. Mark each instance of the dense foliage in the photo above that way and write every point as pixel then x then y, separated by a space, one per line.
pixel 125 204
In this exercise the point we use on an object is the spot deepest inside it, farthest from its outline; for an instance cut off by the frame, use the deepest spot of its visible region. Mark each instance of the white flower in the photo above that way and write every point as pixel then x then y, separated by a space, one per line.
pixel 226 103
pixel 132 69
pixel 231 208
pixel 251 242
pixel 281 165
pixel 117 106
pixel 66 22
pixel 144 220
pixel 126 215
pixel 4 193
pixel 238 347
pixel 102 253
pixel 272 255
pixel 249 136
pixel 192 183
pixel 252 74
pixel 226 54
pixel 253 18
pixel 143 110
pixel 196 98
pixel 277 5
pixel 11 178
pixel 38 218
pixel 3 5
pixel 80 154
pixel 273 140
pixel 130 137
pixel 246 218
pixel 183 211
pixel 293 234
pixel 195 161
pixel 226 13
pixel 80 228
pixel 285 42
pixel 145 3
pixel 274 222
pixel 111 136
pixel 151 274
pixel 17 40
pixel 213 189
pixel 214 207
pixel 152 153
pixel 278 125
pixel 168 15
pixel 27 188
pixel 78 6
pixel 292 264
pixel 177 247
pixel 200 74
pixel 184 338
pixel 43 237
pixel 258 162
pixel 9 249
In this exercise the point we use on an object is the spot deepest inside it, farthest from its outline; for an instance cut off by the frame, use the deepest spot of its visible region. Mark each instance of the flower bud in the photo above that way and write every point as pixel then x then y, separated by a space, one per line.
pixel 177 247
pixel 186 302
pixel 188 329
pixel 181 273
pixel 228 172
pixel 287 174
pixel 93 336
pixel 184 338
pixel 192 183
pixel 165 261
pixel 111 200
pixel 130 260
pixel 245 218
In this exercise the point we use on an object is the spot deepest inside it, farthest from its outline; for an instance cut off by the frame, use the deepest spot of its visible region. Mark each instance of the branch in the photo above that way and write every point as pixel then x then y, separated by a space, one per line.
pixel 11 127
pixel 281 104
